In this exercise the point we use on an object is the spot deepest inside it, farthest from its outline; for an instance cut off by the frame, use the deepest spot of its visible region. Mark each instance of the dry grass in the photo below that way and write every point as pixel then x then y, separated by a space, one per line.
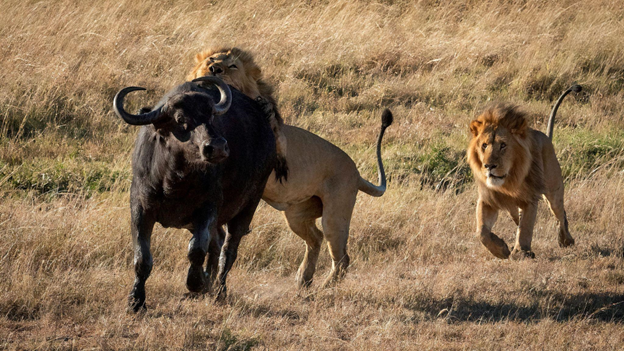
pixel 419 278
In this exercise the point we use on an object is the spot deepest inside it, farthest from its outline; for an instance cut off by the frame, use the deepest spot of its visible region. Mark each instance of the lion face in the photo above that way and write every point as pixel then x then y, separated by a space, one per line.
pixel 492 149
pixel 498 153
pixel 234 66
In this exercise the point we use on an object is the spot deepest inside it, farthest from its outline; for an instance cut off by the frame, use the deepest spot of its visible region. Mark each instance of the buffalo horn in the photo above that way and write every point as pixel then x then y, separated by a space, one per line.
pixel 226 95
pixel 140 119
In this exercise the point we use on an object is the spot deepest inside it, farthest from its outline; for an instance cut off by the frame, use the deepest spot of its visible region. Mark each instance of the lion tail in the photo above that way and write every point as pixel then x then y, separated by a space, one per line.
pixel 366 186
pixel 551 120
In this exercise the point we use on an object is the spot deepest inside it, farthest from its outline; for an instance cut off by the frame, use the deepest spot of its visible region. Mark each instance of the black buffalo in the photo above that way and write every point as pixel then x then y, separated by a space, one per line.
pixel 197 165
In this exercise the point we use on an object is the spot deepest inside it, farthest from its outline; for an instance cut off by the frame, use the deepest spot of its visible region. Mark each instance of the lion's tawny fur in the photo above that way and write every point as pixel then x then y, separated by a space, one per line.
pixel 513 165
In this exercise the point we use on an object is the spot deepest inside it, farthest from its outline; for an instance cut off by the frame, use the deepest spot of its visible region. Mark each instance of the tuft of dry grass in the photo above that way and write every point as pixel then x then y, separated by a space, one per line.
pixel 419 277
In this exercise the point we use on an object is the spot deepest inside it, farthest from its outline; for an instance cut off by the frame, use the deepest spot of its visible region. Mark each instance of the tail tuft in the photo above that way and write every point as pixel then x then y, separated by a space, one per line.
pixel 386 118
pixel 576 88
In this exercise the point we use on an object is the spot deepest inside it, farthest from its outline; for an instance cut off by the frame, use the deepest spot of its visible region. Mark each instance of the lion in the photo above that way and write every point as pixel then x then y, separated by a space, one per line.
pixel 323 181
pixel 513 166
pixel 237 68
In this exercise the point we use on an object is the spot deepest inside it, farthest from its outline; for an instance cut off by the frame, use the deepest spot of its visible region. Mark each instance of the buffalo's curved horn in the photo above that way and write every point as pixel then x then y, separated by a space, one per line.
pixel 226 94
pixel 137 120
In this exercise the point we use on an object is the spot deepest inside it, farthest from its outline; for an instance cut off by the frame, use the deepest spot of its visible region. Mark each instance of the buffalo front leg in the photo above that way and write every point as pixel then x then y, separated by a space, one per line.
pixel 237 227
pixel 524 236
pixel 229 252
pixel 196 281
pixel 141 235
pixel 212 260
pixel 486 217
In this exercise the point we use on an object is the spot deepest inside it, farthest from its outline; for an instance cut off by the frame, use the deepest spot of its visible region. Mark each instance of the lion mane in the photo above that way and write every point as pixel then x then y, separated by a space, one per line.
pixel 238 69
pixel 514 166
pixel 524 179
pixel 251 83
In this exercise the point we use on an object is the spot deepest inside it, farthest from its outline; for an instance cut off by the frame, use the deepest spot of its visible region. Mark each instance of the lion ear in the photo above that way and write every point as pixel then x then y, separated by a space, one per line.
pixel 200 57
pixel 518 126
pixel 475 127
pixel 255 72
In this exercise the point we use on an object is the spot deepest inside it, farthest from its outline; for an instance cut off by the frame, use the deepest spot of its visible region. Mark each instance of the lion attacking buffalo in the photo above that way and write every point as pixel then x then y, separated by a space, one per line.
pixel 322 181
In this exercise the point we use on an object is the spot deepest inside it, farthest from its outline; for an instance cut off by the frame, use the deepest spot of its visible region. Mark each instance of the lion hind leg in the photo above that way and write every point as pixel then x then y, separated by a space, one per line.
pixel 555 202
pixel 336 222
pixel 301 219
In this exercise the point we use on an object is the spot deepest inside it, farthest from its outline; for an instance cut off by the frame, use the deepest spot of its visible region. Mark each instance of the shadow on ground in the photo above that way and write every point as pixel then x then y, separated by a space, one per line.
pixel 558 307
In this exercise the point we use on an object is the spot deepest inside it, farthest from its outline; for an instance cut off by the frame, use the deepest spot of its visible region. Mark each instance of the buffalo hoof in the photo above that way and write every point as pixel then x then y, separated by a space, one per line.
pixel 196 279
pixel 191 296
pixel 221 294
pixel 136 306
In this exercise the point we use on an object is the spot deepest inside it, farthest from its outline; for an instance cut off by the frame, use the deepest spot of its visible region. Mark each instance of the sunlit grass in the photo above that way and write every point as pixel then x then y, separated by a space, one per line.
pixel 419 278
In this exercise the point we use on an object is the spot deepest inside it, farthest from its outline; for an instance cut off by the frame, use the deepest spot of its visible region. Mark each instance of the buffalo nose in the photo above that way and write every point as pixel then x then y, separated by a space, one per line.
pixel 208 149
pixel 489 166
pixel 216 151
pixel 216 69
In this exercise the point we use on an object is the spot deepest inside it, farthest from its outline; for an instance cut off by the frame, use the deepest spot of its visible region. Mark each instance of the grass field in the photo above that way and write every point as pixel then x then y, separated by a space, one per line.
pixel 419 277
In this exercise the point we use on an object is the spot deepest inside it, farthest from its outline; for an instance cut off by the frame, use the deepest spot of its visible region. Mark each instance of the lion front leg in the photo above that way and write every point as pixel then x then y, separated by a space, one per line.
pixel 524 236
pixel 486 217
pixel 272 115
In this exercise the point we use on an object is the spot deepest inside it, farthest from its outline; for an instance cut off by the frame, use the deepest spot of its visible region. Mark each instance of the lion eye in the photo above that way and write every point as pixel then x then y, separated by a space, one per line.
pixel 484 146
pixel 503 145
pixel 232 67
pixel 212 59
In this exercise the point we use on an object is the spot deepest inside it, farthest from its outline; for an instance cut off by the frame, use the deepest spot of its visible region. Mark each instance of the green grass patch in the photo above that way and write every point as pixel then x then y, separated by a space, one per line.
pixel 582 152
pixel 64 175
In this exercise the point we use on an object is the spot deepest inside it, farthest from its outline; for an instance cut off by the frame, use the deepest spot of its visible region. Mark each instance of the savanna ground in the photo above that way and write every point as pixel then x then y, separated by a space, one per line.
pixel 419 277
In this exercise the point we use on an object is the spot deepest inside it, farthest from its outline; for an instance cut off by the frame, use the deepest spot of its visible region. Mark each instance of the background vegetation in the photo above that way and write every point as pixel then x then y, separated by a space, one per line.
pixel 419 278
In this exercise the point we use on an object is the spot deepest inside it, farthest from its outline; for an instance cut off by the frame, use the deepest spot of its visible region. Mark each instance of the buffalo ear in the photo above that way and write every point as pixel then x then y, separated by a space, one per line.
pixel 475 127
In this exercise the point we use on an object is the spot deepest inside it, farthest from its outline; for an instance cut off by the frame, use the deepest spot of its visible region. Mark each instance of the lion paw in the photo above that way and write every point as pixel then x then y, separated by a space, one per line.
pixel 520 254
pixel 495 245
pixel 266 106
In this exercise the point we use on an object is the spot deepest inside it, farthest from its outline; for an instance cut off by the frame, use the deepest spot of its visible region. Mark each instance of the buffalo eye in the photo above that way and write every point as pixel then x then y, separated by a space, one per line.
pixel 483 146
pixel 503 146
pixel 181 121
pixel 232 67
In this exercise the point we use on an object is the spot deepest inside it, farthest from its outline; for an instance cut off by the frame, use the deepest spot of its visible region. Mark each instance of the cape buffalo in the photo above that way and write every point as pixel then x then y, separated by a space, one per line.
pixel 196 165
